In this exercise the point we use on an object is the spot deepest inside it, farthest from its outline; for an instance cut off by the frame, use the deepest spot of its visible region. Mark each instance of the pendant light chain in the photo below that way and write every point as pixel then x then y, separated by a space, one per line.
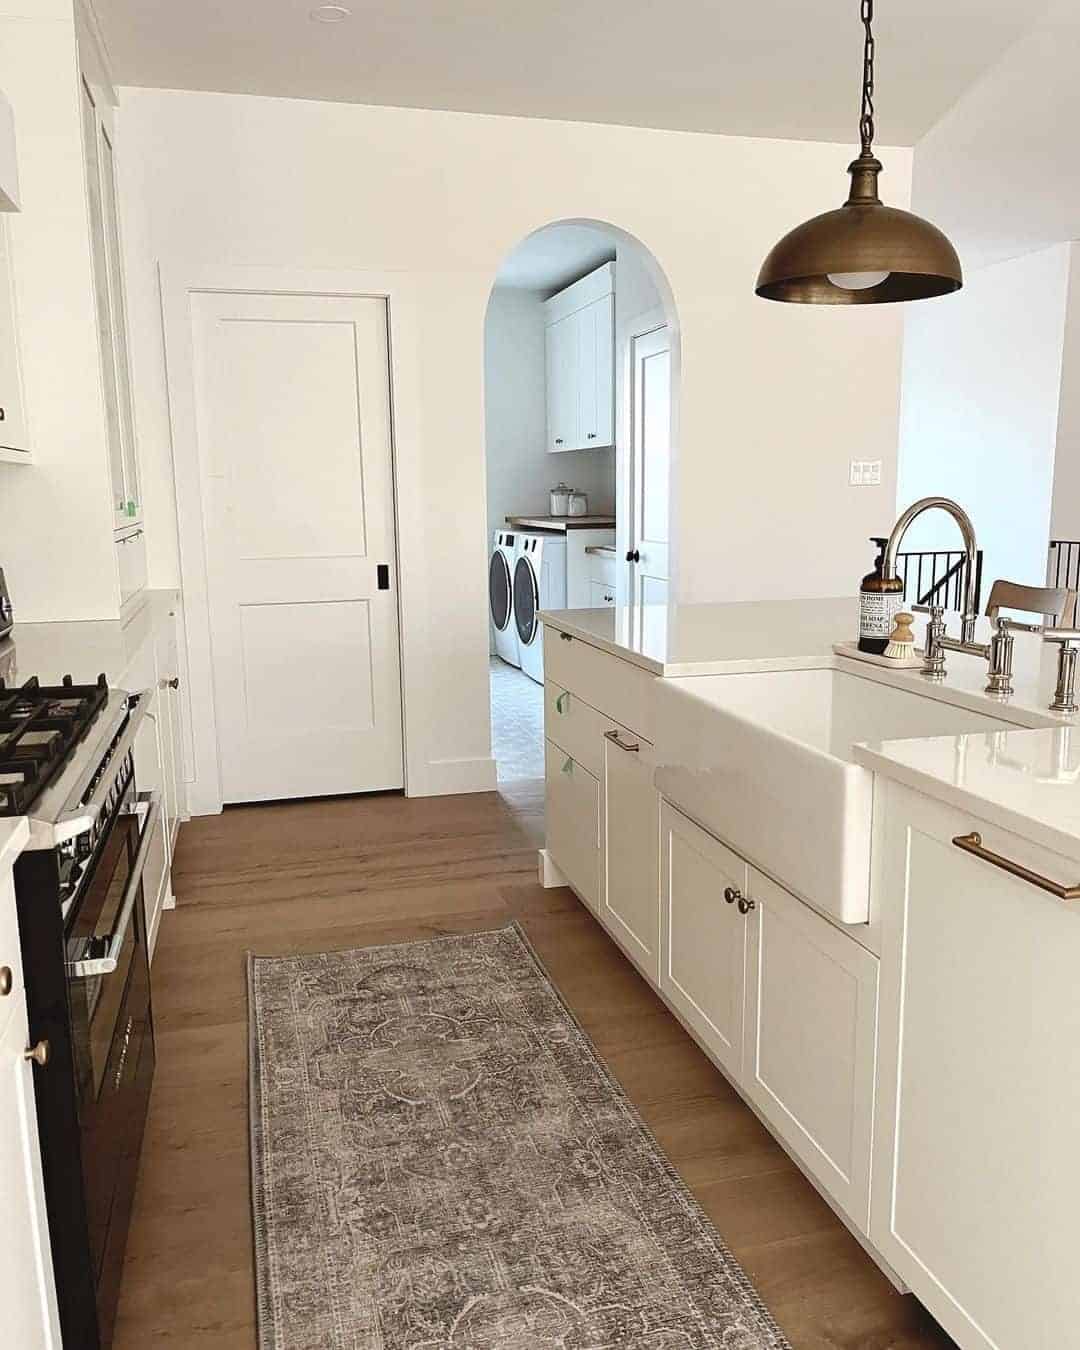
pixel 866 120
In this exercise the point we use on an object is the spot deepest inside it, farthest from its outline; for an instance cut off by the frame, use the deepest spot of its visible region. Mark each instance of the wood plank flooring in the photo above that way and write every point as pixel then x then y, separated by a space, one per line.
pixel 352 872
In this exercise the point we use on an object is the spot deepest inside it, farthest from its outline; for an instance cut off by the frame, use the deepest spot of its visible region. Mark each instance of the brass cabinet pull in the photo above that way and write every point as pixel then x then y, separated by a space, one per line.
pixel 631 747
pixel 7 981
pixel 746 905
pixel 972 843
pixel 731 894
pixel 38 1053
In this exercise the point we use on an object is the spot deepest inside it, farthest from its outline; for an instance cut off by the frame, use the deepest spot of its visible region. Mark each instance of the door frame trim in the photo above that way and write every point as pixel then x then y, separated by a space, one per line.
pixel 629 330
pixel 178 281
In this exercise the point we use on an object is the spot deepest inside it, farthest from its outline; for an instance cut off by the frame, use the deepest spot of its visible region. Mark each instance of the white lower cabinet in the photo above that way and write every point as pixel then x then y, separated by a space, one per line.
pixel 27 1296
pixel 976 1159
pixel 703 934
pixel 811 1025
pixel 572 808
pixel 629 849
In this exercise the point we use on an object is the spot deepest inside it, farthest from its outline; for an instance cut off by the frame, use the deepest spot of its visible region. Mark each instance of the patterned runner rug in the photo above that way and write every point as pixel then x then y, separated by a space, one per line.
pixel 440 1161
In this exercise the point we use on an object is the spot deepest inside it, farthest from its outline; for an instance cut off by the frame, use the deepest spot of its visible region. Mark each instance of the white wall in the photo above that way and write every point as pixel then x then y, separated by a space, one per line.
pixel 55 515
pixel 979 422
pixel 770 393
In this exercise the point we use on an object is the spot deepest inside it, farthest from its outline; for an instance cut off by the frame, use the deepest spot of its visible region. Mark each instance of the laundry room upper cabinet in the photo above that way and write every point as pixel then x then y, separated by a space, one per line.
pixel 581 363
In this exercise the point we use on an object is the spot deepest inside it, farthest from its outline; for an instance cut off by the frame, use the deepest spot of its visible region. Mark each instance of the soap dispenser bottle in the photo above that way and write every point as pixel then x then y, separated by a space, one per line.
pixel 880 599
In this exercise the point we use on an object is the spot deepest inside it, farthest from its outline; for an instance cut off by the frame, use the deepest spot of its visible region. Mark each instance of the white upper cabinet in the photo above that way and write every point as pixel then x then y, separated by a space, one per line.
pixel 111 312
pixel 14 432
pixel 581 363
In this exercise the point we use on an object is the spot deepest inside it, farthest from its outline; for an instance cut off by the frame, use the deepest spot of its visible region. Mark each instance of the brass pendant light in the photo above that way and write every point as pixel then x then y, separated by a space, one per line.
pixel 864 253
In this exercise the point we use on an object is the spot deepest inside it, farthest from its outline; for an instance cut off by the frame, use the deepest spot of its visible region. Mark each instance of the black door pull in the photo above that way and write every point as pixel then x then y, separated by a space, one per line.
pixel 382 572
pixel 633 556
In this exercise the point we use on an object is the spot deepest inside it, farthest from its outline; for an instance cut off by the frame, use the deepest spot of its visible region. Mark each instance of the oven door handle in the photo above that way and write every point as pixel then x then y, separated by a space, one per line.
pixel 105 965
pixel 89 810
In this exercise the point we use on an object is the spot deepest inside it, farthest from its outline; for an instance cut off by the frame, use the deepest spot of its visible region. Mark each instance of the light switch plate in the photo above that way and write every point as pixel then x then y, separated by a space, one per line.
pixel 864 473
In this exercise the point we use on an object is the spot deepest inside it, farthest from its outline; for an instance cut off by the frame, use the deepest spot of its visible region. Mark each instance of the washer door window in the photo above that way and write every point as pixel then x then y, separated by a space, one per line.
pixel 526 600
pixel 499 595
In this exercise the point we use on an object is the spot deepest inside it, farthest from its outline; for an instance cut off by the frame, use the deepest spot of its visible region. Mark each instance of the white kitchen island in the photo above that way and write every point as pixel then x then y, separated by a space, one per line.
pixel 921 1064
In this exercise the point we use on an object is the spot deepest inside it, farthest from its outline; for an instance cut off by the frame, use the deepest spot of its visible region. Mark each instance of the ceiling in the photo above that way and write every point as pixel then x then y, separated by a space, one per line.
pixel 555 256
pixel 786 68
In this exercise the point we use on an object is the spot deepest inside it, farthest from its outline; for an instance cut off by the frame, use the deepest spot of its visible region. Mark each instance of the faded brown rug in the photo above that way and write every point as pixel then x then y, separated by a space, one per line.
pixel 440 1161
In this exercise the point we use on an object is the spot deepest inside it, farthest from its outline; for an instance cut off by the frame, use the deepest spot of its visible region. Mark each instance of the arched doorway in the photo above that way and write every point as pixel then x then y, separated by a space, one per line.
pixel 581 374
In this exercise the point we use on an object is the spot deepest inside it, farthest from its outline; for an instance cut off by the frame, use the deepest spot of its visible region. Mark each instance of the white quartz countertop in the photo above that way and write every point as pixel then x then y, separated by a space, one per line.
pixel 14 832
pixel 1024 781
pixel 1025 778
pixel 715 639
pixel 83 649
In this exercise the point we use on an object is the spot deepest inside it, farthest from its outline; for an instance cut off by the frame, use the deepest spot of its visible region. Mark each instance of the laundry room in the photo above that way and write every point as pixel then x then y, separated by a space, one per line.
pixel 578 414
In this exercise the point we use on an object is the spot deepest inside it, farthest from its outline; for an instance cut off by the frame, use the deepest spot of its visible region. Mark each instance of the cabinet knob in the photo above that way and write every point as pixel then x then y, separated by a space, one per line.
pixel 3 414
pixel 558 440
pixel 7 981
pixel 633 556
pixel 745 905
pixel 592 436
pixel 38 1053
pixel 174 683
pixel 731 894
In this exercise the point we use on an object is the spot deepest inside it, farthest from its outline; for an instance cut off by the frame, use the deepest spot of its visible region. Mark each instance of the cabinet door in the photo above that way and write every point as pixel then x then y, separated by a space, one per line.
pixel 14 434
pixel 562 339
pixel 118 312
pixel 596 372
pixel 976 1165
pixel 27 1295
pixel 99 259
pixel 629 850
pixel 811 1024
pixel 703 935
pixel 572 807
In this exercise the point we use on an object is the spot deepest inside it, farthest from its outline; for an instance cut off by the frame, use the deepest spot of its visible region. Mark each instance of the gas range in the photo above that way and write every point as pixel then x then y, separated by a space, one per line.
pixel 67 762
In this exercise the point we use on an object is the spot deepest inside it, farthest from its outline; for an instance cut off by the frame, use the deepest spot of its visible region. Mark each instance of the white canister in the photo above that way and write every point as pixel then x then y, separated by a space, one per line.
pixel 559 499
pixel 579 504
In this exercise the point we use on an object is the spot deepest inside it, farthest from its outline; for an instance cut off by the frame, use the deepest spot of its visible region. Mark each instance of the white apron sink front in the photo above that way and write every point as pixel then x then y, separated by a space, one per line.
pixel 764 762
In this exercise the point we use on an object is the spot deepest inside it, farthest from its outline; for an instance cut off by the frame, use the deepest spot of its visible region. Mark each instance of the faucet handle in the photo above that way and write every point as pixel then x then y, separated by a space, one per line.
pixel 1064 636
pixel 1005 625
pixel 936 612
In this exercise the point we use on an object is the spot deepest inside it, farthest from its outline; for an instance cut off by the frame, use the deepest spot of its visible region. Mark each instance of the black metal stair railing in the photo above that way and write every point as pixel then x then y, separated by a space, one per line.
pixel 937 576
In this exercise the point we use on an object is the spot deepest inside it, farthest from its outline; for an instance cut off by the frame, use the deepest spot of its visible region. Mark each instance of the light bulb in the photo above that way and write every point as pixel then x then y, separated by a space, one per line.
pixel 857 281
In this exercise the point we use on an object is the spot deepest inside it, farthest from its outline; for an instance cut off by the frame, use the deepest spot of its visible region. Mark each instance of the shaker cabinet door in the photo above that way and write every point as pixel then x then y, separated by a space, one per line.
pixel 563 412
pixel 630 838
pixel 811 1023
pixel 703 935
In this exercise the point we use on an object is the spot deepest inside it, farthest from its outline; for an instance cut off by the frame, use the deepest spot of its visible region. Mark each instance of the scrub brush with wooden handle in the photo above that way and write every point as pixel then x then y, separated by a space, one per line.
pixel 901 639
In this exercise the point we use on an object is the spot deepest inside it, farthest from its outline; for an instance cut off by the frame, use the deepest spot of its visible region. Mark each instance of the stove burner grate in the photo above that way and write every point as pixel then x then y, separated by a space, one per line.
pixel 40 726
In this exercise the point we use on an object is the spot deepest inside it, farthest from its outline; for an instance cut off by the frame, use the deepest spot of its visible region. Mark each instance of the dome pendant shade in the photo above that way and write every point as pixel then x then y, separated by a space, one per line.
pixel 864 253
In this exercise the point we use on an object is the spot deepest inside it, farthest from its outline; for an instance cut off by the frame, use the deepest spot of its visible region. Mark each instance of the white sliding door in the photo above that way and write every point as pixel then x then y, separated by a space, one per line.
pixel 293 413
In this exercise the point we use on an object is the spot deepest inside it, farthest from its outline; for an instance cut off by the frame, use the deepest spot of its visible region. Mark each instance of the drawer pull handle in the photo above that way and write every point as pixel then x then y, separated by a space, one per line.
pixel 631 747
pixel 568 767
pixel 972 843
pixel 560 702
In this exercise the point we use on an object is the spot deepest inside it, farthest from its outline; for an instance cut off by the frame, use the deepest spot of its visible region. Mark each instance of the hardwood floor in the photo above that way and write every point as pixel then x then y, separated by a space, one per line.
pixel 352 872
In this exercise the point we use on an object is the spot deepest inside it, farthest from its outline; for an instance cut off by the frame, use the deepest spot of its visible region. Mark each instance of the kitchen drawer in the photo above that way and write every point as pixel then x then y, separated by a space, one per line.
pixel 574 726
pixel 602 569
pixel 624 691
pixel 572 806
pixel 603 594
pixel 131 563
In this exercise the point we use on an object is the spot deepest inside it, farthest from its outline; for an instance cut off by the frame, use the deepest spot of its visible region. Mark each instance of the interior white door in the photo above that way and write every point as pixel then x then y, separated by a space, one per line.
pixel 293 417
pixel 650 466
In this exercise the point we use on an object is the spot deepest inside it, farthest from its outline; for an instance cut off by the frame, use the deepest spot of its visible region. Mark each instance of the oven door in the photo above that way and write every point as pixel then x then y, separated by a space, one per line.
pixel 112 1035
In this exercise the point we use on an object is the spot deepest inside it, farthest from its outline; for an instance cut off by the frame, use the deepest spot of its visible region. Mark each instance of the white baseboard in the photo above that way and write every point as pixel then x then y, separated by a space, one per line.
pixel 446 777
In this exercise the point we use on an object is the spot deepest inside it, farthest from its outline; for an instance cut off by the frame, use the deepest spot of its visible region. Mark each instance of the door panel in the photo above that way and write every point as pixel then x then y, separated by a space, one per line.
pixel 630 835
pixel 703 936
pixel 650 453
pixel 294 430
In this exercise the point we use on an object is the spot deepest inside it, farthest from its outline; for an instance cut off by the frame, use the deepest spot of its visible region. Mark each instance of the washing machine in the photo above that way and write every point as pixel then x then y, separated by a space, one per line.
pixel 539 583
pixel 501 595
